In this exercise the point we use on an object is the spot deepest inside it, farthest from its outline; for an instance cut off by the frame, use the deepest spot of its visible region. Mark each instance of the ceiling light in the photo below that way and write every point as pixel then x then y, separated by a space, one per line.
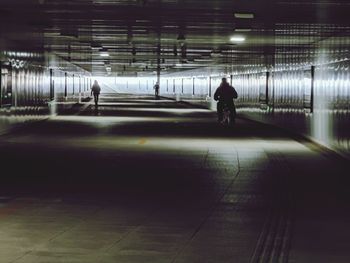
pixel 237 39
pixel 104 54
pixel 243 29
pixel 203 60
pixel 244 15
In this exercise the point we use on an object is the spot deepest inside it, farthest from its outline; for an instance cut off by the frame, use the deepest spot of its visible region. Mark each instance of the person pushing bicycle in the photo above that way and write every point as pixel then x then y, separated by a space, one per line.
pixel 225 94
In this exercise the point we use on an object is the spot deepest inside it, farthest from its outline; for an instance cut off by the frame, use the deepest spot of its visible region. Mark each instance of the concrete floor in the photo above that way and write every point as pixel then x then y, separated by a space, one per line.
pixel 141 180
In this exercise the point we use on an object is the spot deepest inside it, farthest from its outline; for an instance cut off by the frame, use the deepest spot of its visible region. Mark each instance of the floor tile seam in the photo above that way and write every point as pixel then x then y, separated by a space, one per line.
pixel 83 107
pixel 210 213
pixel 20 257
pixel 38 246
pixel 129 233
pixel 101 254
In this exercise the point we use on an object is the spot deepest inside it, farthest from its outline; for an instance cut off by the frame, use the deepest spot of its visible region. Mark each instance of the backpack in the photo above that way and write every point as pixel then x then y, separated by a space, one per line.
pixel 235 95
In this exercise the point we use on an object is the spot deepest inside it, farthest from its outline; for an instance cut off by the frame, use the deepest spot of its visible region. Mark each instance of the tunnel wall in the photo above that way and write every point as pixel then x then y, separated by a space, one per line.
pixel 312 100
pixel 36 85
pixel 309 100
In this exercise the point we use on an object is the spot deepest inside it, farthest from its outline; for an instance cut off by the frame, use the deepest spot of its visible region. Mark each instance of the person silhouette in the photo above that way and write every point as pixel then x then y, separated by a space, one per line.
pixel 225 94
pixel 156 90
pixel 95 90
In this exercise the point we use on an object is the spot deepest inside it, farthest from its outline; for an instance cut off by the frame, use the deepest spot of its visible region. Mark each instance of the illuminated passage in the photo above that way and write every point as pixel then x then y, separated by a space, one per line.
pixel 144 180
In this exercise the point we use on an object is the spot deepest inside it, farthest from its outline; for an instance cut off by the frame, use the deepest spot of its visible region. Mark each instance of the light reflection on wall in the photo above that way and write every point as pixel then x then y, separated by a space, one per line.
pixel 33 84
pixel 321 120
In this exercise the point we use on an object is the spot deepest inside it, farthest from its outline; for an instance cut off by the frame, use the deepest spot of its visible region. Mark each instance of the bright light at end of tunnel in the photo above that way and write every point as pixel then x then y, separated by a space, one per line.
pixel 237 39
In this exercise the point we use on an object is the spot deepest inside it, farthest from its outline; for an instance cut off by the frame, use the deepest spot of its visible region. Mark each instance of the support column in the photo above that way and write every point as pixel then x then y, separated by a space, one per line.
pixel 1 91
pixel 158 61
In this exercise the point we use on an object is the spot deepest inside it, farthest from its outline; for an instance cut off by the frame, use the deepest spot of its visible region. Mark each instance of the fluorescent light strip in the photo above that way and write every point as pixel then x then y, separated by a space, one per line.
pixel 237 39
pixel 244 15
pixel 243 29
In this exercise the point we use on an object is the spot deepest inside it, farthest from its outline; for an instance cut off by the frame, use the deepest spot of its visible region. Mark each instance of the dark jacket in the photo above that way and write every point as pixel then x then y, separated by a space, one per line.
pixel 225 93
pixel 95 89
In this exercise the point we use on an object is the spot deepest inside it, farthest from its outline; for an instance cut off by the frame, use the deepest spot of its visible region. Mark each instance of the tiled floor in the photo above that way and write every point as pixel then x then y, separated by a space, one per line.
pixel 157 181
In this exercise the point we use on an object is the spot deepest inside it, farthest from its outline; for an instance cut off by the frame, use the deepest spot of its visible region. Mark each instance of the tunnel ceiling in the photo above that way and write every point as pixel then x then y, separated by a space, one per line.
pixel 128 37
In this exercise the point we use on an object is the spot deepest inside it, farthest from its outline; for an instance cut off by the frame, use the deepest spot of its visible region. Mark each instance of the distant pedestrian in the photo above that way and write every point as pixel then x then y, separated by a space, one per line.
pixel 156 90
pixel 95 89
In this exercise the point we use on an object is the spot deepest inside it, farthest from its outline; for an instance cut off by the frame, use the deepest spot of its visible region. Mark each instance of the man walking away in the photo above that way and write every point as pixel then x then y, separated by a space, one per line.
pixel 156 90
pixel 95 89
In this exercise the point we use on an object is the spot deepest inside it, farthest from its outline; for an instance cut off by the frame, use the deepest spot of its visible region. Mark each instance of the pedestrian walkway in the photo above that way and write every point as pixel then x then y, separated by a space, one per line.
pixel 144 180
